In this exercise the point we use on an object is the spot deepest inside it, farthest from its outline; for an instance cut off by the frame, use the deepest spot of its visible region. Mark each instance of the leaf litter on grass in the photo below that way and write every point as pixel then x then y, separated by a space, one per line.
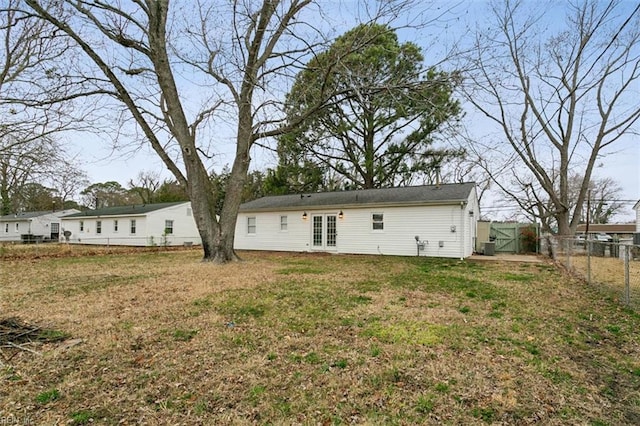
pixel 335 339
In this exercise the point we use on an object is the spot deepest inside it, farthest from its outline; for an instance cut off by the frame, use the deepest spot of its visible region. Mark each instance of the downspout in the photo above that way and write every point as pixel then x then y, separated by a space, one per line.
pixel 462 226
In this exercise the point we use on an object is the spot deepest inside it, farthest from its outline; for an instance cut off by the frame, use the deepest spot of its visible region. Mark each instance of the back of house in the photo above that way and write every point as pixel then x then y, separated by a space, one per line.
pixel 428 220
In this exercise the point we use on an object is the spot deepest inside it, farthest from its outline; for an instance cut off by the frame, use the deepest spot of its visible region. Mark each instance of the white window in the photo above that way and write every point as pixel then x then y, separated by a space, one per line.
pixel 81 225
pixel 115 226
pixel 251 225
pixel 98 227
pixel 6 228
pixel 132 227
pixel 377 221
pixel 17 227
pixel 168 227
pixel 283 223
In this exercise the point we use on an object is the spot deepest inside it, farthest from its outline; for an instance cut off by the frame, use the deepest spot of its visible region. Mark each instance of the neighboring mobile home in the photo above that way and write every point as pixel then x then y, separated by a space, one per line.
pixel 438 220
pixel 159 224
pixel 32 226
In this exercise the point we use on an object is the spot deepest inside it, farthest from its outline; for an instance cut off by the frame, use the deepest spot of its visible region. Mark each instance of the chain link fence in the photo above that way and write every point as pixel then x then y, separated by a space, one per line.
pixel 612 266
pixel 96 245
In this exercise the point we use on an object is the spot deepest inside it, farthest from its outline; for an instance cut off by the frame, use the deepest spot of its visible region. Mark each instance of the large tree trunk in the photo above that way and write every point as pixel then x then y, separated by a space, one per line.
pixel 237 179
pixel 257 30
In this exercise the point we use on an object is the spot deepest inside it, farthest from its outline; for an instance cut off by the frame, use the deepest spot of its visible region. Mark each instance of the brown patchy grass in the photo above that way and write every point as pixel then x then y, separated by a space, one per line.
pixel 304 339
pixel 608 272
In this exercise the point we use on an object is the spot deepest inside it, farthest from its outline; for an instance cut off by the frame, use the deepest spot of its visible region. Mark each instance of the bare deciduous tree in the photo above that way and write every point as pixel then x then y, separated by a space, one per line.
pixel 146 82
pixel 23 162
pixel 561 96
pixel 67 179
pixel 232 58
pixel 29 150
pixel 145 186
pixel 604 199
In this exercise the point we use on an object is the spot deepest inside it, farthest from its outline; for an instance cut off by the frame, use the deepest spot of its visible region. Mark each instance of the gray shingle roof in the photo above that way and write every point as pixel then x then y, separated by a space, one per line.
pixel 411 195
pixel 136 209
pixel 29 215
pixel 24 215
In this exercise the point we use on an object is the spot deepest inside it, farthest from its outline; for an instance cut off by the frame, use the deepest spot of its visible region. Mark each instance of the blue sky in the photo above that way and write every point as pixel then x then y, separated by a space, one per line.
pixel 622 163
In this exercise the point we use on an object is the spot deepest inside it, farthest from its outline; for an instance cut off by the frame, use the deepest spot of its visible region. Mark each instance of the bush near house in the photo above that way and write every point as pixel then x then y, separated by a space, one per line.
pixel 529 239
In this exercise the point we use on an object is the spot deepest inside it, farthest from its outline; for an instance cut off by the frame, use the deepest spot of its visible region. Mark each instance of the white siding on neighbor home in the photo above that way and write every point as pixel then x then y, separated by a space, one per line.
pixel 13 229
pixel 11 232
pixel 637 209
pixel 150 228
pixel 355 234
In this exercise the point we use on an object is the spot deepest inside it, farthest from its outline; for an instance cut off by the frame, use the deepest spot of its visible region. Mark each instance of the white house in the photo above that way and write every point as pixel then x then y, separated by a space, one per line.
pixel 137 225
pixel 32 226
pixel 437 221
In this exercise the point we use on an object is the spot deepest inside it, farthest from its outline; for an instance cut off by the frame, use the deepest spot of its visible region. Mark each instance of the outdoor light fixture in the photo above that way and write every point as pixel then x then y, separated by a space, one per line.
pixel 340 215
pixel 304 216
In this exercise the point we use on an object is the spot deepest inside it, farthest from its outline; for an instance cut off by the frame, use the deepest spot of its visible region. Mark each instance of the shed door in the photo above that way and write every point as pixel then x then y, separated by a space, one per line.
pixel 324 231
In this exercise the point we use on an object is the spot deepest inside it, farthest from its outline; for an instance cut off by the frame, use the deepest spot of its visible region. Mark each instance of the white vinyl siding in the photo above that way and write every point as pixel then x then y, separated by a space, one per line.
pixel 171 226
pixel 356 234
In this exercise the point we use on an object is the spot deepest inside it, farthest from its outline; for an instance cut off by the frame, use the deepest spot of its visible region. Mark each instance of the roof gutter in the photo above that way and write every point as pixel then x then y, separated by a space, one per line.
pixel 461 203
pixel 117 216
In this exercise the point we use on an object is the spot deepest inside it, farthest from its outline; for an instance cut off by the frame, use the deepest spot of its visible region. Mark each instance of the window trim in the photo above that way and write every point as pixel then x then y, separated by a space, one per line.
pixel 375 222
pixel 133 226
pixel 98 227
pixel 115 225
pixel 168 230
pixel 82 226
pixel 284 225
pixel 253 226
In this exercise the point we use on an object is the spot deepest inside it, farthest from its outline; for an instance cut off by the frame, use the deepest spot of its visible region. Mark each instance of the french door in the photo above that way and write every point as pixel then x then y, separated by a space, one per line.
pixel 324 232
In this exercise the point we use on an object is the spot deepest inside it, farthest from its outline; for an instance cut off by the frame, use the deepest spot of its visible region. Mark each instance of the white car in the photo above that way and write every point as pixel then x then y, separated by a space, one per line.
pixel 603 237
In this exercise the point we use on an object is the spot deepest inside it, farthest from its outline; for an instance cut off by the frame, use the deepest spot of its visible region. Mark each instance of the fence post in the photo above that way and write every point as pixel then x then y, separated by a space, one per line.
pixel 589 262
pixel 627 289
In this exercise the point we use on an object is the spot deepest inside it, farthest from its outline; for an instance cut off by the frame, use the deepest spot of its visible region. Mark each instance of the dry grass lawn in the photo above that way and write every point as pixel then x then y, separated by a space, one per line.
pixel 609 273
pixel 312 339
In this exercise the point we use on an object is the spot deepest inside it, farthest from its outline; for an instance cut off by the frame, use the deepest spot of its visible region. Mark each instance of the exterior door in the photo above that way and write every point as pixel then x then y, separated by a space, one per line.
pixel 55 231
pixel 324 232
